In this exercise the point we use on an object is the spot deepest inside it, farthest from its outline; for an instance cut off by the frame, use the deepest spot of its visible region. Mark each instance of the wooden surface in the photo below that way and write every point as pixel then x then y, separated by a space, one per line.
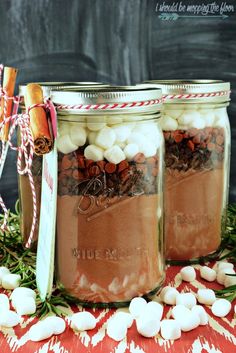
pixel 217 337
pixel 115 41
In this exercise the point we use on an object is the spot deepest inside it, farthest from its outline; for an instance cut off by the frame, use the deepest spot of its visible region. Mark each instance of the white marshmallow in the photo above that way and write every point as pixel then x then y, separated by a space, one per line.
pixel 25 305
pixel 163 292
pixel 116 331
pixel 188 274
pixel 83 321
pixel 179 311
pixel 221 275
pixel 170 295
pixel 9 318
pixel 93 152
pixel 201 312
pixel 63 128
pixel 148 149
pixel 3 271
pixel 114 119
pixel 222 265
pixel 22 292
pixel 131 150
pixel 209 118
pixel 221 307
pixel 187 299
pixel 95 123
pixel 148 325
pixel 188 117
pixel 65 145
pixel 137 138
pixel 221 122
pixel 105 137
pixel 57 323
pixel 114 154
pixel 92 135
pixel 122 132
pixel 168 124
pixel 11 281
pixel 136 307
pixel 155 309
pixel 189 322
pixel 174 113
pixel 123 316
pixel 170 329
pixel 40 331
pixel 230 281
pixel 78 135
pixel 208 273
pixel 206 296
pixel 220 112
pixel 4 302
pixel 198 123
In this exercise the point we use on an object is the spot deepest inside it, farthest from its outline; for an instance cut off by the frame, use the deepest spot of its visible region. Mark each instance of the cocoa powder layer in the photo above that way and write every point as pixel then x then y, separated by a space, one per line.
pixel 108 248
pixel 193 208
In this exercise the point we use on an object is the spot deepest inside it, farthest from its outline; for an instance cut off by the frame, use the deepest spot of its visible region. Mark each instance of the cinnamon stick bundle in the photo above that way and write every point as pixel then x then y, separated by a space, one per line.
pixel 43 141
pixel 9 81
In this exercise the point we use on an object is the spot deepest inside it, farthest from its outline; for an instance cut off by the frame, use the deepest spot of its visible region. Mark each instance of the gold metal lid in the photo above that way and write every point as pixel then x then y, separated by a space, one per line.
pixel 137 99
pixel 192 91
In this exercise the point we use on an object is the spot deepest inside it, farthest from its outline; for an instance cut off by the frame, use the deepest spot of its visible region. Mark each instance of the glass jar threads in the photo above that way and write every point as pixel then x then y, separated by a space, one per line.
pixel 109 210
pixel 197 146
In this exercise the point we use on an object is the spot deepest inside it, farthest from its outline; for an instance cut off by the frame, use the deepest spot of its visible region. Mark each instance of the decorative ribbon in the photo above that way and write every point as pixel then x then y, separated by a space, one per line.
pixel 195 95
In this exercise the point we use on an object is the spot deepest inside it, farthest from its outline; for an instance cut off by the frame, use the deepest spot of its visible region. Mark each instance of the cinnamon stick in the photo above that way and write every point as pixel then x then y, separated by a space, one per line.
pixel 43 141
pixel 9 81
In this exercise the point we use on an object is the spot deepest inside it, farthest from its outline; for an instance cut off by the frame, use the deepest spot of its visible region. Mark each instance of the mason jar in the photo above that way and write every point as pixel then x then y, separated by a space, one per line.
pixel 109 245
pixel 24 189
pixel 197 144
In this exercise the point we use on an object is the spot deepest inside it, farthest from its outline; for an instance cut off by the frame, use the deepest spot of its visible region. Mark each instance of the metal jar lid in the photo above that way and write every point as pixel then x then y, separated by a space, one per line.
pixel 114 99
pixel 48 86
pixel 192 91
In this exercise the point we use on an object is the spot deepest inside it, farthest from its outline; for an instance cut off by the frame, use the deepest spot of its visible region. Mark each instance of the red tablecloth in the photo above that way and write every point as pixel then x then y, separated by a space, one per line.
pixel 217 337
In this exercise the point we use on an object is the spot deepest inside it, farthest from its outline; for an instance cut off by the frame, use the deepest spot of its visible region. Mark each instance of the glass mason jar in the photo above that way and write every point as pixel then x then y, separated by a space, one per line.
pixel 109 245
pixel 24 189
pixel 197 145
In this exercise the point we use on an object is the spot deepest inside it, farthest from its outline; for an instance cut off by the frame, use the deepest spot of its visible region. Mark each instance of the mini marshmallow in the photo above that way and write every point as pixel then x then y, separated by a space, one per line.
pixel 222 265
pixel 198 123
pixel 116 331
pixel 122 132
pixel 25 306
pixel 3 271
pixel 175 113
pixel 92 135
pixel 154 308
pixel 123 316
pixel 221 307
pixel 221 275
pixel 4 302
pixel 179 311
pixel 83 321
pixel 131 150
pixel 168 124
pixel 188 322
pixel 57 323
pixel 65 145
pixel 147 324
pixel 209 118
pixel 186 299
pixel 137 138
pixel 11 281
pixel 63 128
pixel 22 292
pixel 188 117
pixel 169 297
pixel 208 273
pixel 95 123
pixel 137 306
pixel 93 152
pixel 230 281
pixel 114 119
pixel 9 318
pixel 170 329
pixel 105 138
pixel 221 122
pixel 163 292
pixel 148 149
pixel 114 154
pixel 201 312
pixel 40 331
pixel 206 296
pixel 78 135
pixel 188 274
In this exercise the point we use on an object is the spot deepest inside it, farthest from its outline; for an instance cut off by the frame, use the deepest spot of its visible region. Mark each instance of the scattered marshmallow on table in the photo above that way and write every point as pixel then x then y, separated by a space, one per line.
pixel 208 273
pixel 188 274
pixel 83 321
pixel 186 299
pixel 221 307
pixel 93 152
pixel 124 317
pixel 4 302
pixel 114 154
pixel 230 281
pixel 137 306
pixel 116 330
pixel 3 271
pixel 189 322
pixel 9 318
pixel 147 324
pixel 169 295
pixel 40 331
pixel 179 311
pixel 221 275
pixel 22 292
pixel 57 323
pixel 25 306
pixel 155 309
pixel 170 329
pixel 11 281
pixel 206 296
pixel 201 312
pixel 222 265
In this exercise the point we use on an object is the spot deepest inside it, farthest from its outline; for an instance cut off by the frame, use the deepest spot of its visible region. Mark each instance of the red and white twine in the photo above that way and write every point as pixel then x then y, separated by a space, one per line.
pixel 195 95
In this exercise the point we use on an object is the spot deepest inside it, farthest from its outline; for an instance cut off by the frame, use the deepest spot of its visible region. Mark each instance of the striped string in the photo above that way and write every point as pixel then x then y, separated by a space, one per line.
pixel 195 95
